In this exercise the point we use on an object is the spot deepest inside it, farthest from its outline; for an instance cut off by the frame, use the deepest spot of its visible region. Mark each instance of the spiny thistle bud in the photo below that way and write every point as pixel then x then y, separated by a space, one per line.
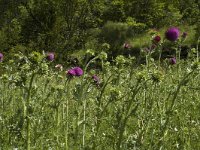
pixel 35 57
pixel 103 56
pixel 120 59
pixel 156 39
pixel 105 46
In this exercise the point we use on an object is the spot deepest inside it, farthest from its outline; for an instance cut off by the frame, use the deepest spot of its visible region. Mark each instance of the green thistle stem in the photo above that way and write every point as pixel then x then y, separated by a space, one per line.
pixel 28 138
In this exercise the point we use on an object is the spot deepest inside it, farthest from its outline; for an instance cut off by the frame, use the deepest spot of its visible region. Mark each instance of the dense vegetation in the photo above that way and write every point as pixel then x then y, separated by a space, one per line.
pixel 65 26
pixel 99 74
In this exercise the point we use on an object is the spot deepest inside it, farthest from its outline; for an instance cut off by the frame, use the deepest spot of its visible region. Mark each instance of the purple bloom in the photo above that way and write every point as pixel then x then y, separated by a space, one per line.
pixel 184 35
pixel 1 57
pixel 172 34
pixel 71 72
pixel 50 56
pixel 96 79
pixel 126 46
pixel 76 71
pixel 172 60
pixel 157 39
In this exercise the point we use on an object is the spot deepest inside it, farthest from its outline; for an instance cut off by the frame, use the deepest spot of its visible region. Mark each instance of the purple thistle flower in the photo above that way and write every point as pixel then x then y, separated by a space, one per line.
pixel 71 72
pixel 1 57
pixel 172 60
pixel 157 39
pixel 172 34
pixel 184 35
pixel 50 56
pixel 96 79
pixel 76 71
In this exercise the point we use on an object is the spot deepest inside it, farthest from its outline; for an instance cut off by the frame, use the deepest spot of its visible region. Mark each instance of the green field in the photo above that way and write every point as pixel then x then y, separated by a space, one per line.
pixel 150 106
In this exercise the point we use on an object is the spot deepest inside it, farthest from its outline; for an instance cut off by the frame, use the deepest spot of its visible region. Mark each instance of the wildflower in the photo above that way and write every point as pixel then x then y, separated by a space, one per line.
pixel 172 34
pixel 172 60
pixel 184 35
pixel 126 46
pixel 59 67
pixel 157 39
pixel 76 71
pixel 50 56
pixel 71 72
pixel 1 57
pixel 96 79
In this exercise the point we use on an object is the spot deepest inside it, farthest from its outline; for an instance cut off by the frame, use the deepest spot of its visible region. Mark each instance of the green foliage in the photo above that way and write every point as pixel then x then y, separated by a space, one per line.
pixel 132 107
pixel 65 26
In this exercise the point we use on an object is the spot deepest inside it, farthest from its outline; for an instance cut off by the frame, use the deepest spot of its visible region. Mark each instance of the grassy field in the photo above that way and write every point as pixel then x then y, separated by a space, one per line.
pixel 150 106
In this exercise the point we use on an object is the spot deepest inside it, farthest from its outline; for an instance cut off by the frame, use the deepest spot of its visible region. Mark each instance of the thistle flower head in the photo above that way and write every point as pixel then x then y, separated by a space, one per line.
pixel 96 79
pixel 76 71
pixel 50 56
pixel 157 39
pixel 1 57
pixel 172 34
pixel 103 56
pixel 71 72
pixel 172 60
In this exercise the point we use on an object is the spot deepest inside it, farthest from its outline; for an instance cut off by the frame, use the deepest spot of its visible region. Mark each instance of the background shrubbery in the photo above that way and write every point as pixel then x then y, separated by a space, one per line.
pixel 69 26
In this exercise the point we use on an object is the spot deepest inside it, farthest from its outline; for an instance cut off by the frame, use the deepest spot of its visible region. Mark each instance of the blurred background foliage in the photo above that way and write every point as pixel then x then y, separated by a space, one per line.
pixel 68 26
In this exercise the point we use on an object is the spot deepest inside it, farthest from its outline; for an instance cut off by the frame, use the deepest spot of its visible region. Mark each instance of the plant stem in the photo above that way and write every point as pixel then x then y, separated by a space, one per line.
pixel 28 138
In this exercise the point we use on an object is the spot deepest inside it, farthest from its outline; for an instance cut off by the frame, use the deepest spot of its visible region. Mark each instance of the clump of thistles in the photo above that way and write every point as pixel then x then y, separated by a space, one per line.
pixel 1 57
pixel 172 34
pixel 76 71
